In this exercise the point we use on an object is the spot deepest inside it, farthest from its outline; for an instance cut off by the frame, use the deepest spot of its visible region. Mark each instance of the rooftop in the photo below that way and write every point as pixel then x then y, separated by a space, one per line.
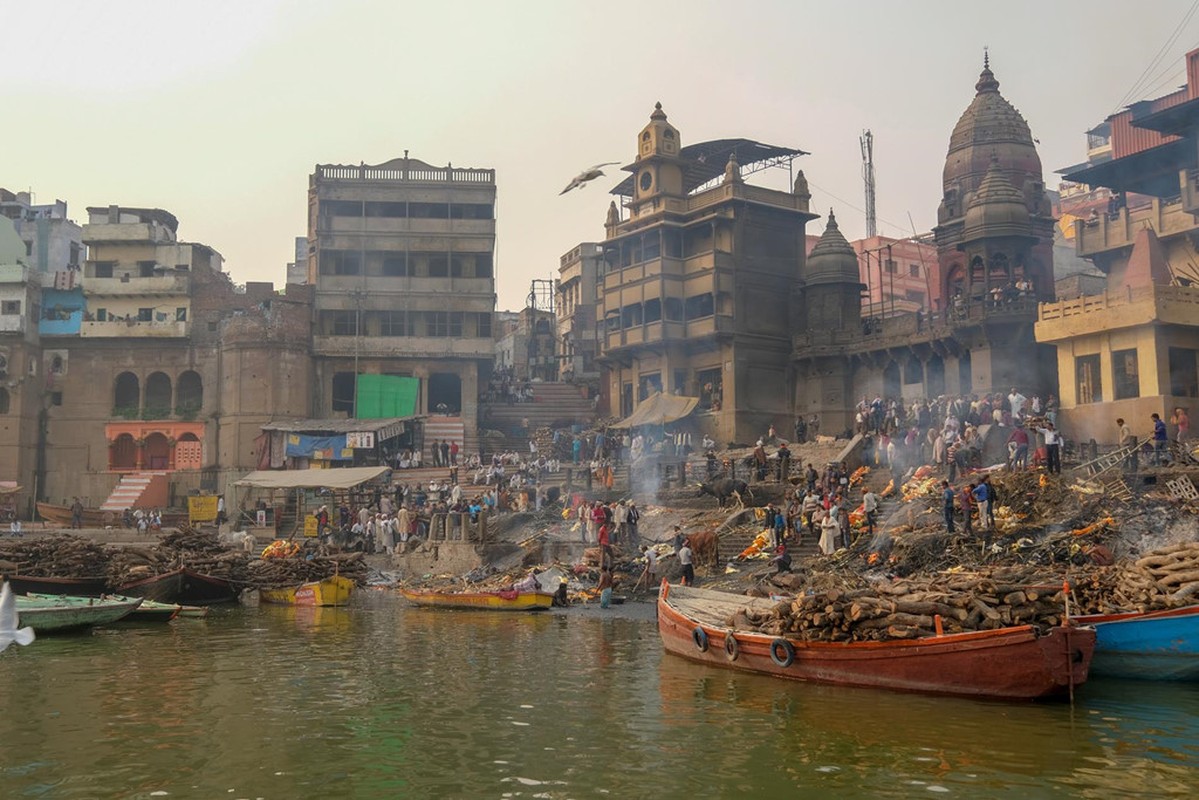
pixel 705 161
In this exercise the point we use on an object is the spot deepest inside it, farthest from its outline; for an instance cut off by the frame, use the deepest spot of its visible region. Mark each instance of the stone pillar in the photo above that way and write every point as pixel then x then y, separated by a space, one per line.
pixel 141 453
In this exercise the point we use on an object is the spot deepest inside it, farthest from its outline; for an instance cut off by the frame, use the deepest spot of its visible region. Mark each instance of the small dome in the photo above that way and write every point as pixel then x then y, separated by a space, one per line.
pixel 989 128
pixel 833 259
pixel 996 209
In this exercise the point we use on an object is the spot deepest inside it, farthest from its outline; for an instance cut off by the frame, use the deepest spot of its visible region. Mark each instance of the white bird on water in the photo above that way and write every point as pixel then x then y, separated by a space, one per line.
pixel 9 632
pixel 589 174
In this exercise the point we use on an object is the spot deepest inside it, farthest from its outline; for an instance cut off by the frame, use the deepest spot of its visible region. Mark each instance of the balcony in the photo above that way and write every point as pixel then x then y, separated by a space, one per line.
pixel 378 284
pixel 404 346
pixel 120 329
pixel 15 273
pixel 176 283
pixel 12 323
pixel 1094 314
pixel 407 225
pixel 662 331
pixel 1105 233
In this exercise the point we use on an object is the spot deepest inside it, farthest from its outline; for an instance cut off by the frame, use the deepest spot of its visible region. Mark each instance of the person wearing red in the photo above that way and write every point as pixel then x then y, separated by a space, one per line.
pixel 605 543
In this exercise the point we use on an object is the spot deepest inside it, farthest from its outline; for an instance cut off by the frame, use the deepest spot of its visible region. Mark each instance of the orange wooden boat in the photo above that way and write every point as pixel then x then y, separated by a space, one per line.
pixel 1011 663
pixel 95 518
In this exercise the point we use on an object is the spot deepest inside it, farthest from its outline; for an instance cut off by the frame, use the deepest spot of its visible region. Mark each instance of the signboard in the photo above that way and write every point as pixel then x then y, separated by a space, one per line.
pixel 201 509
pixel 310 526
pixel 363 439
pixel 260 518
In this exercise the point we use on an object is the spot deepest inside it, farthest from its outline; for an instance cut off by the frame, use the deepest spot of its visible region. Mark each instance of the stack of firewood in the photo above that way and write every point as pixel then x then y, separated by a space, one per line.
pixel 276 572
pixel 1164 578
pixel 54 557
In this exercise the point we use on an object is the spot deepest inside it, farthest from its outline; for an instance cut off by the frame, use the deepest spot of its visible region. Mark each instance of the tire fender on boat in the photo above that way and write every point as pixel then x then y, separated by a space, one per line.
pixel 732 649
pixel 782 652
pixel 700 637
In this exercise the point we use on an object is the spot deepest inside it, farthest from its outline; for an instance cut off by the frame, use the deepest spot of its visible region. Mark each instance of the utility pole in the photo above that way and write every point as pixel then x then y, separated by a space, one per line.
pixel 867 142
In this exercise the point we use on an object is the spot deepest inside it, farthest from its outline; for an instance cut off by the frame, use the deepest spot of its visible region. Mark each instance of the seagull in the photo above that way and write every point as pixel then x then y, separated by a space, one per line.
pixel 9 632
pixel 589 174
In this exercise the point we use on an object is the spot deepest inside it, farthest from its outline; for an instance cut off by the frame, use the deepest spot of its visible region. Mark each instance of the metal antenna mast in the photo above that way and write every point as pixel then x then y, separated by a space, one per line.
pixel 867 142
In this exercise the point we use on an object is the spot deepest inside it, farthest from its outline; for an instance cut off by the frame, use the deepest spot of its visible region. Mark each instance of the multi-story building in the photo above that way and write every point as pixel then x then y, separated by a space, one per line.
pixel 1133 350
pixel 19 367
pixel 575 304
pixel 525 345
pixel 53 242
pixel 696 292
pixel 401 256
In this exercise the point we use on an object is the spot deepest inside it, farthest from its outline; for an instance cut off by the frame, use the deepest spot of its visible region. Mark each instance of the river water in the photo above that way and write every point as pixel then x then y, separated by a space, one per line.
pixel 380 700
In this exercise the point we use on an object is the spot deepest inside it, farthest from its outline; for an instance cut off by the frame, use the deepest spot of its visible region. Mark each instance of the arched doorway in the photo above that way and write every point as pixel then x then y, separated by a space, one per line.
pixel 190 393
pixel 124 453
pixel 445 393
pixel 126 396
pixel 158 396
pixel 157 452
pixel 189 453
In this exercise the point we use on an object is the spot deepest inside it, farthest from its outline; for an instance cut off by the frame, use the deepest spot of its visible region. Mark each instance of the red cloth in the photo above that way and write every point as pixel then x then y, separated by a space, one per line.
pixel 603 535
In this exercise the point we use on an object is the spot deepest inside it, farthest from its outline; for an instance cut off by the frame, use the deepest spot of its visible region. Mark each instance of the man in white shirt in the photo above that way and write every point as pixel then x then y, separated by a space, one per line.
pixel 685 562
pixel 1016 401
pixel 1053 448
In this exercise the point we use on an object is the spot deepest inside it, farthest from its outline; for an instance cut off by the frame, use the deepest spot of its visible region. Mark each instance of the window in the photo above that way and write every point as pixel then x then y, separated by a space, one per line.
pixel 485 325
pixel 10 307
pixel 648 385
pixel 395 323
pixel 104 268
pixel 390 210
pixel 181 315
pixel 890 266
pixel 483 265
pixel 631 315
pixel 437 323
pixel 341 323
pixel 439 266
pixel 29 248
pixel 73 259
pixel 395 266
pixel 4 400
pixel 429 210
pixel 102 314
pixel 711 387
pixel 653 310
pixel 700 306
pixel 456 318
pixel 680 381
pixel 145 315
pixel 1126 378
pixel 145 269
pixel 1184 372
pixel 914 270
pixel 56 398
pixel 341 208
pixel 471 211
pixel 673 308
pixel 1086 371
pixel 340 262
pixel 456 266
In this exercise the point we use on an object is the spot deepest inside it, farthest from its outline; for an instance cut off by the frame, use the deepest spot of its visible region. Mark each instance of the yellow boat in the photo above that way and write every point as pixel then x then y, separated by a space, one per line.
pixel 489 601
pixel 333 591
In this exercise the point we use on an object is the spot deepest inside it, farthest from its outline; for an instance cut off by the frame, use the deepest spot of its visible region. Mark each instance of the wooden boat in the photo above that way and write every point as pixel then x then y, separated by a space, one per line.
pixel 183 586
pixel 62 613
pixel 146 611
pixel 334 591
pixel 96 518
pixel 491 601
pixel 76 587
pixel 192 612
pixel 1010 663
pixel 1155 645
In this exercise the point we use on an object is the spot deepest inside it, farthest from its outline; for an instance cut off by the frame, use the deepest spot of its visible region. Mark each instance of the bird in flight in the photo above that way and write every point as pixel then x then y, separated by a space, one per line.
pixel 9 632
pixel 589 174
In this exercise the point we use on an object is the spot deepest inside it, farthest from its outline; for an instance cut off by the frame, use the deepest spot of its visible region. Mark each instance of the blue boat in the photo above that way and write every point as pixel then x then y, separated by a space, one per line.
pixel 1154 645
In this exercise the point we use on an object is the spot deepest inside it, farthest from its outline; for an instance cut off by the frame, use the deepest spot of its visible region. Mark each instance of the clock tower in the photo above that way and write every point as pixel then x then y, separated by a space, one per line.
pixel 658 169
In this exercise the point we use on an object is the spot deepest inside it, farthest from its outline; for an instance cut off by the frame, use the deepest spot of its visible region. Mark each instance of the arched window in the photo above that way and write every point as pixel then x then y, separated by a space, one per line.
pixel 158 396
pixel 127 395
pixel 4 401
pixel 124 452
pixel 190 394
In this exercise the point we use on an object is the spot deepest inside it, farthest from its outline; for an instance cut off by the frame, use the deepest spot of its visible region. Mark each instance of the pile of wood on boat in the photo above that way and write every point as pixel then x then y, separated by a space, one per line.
pixel 54 556
pixel 268 572
pixel 198 550
pixel 981 600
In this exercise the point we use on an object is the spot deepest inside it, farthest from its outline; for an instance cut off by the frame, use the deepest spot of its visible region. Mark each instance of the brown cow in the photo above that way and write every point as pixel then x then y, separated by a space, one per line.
pixel 705 548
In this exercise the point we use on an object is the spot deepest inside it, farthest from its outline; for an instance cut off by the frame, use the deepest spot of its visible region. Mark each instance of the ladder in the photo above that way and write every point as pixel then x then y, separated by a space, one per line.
pixel 1098 466
pixel 1115 487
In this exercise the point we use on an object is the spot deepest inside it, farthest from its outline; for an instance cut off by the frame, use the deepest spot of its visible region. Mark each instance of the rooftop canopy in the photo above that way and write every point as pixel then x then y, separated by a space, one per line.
pixel 346 478
pixel 659 409
pixel 705 161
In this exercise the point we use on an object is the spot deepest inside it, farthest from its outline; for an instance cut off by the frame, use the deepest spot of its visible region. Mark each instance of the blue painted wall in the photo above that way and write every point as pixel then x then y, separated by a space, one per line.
pixel 62 311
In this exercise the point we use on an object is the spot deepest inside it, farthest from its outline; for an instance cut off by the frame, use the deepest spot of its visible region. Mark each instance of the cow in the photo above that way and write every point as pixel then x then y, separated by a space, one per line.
pixel 724 488
pixel 705 548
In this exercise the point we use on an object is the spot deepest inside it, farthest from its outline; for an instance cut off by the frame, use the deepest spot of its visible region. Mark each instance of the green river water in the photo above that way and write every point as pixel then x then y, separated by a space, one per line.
pixel 380 700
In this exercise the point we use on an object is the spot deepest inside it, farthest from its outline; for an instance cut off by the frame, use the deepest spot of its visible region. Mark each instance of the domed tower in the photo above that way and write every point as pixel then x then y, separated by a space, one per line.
pixel 658 169
pixel 992 136
pixel 832 284
pixel 997 236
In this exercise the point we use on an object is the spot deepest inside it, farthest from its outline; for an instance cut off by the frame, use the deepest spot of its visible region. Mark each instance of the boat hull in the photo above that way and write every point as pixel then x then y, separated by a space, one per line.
pixel 183 587
pixel 76 587
pixel 333 591
pixel 489 601
pixel 1161 645
pixel 95 518
pixel 1010 664
pixel 53 615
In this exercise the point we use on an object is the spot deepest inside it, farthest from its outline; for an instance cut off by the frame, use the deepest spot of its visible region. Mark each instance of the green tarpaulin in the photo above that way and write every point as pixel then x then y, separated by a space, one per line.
pixel 386 396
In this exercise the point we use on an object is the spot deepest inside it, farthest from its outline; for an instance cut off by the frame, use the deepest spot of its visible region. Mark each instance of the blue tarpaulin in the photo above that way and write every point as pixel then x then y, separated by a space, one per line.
pixel 319 448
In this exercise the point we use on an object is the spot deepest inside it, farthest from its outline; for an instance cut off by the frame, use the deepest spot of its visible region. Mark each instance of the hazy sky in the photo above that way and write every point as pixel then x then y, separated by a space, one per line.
pixel 217 111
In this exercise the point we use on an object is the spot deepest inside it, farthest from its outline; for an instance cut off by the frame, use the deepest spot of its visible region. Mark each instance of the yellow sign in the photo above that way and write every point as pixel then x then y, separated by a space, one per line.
pixel 310 526
pixel 201 509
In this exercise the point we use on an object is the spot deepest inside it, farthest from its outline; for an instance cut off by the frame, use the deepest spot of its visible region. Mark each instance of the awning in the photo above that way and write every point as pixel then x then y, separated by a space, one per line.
pixel 9 487
pixel 659 409
pixel 346 478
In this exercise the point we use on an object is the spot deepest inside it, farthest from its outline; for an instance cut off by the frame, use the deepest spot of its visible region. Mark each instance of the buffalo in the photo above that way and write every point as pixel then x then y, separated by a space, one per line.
pixel 705 548
pixel 724 489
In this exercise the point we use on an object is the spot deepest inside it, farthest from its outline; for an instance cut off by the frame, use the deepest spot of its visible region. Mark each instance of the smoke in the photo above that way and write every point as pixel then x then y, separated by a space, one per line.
pixel 644 480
